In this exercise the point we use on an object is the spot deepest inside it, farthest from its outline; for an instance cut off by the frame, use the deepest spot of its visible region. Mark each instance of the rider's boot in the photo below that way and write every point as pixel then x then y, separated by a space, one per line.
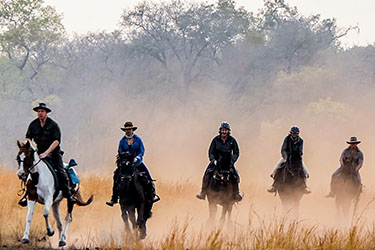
pixel 306 189
pixel 113 201
pixel 330 195
pixel 271 189
pixel 23 201
pixel 201 195
pixel 66 192
pixel 205 183
pixel 236 192
pixel 155 197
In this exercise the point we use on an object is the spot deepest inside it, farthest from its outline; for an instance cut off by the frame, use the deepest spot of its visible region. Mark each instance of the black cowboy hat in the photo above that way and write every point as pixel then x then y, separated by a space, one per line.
pixel 128 125
pixel 42 106
pixel 353 140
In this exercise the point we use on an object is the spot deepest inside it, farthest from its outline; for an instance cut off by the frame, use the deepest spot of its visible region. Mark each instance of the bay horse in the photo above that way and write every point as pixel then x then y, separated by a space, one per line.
pixel 35 171
pixel 220 192
pixel 134 201
pixel 290 184
pixel 347 189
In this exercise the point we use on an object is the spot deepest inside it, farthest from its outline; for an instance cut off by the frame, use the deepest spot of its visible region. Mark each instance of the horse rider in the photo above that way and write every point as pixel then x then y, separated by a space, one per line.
pixel 132 143
pixel 47 136
pixel 291 150
pixel 351 157
pixel 225 148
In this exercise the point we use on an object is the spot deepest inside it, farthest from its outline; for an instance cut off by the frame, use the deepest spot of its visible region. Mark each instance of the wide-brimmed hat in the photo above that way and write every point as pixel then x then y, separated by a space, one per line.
pixel 353 140
pixel 128 125
pixel 42 106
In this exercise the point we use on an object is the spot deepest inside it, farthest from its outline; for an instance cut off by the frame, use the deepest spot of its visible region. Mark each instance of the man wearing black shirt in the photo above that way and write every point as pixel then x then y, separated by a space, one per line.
pixel 224 148
pixel 46 134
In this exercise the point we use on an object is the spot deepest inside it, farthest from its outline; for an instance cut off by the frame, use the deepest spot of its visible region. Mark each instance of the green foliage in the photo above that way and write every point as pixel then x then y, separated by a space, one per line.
pixel 191 34
pixel 30 32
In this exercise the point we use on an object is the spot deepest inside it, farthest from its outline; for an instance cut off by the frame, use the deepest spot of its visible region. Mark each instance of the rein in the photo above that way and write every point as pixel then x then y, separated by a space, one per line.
pixel 28 170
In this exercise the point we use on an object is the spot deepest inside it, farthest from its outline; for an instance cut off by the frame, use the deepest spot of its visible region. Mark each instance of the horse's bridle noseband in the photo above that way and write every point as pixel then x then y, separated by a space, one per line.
pixel 18 159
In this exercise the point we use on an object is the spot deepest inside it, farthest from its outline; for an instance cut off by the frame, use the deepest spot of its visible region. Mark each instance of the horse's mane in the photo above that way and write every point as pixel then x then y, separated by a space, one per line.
pixel 32 144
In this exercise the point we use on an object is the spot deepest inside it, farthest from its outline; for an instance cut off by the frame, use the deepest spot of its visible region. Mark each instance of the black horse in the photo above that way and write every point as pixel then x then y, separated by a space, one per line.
pixel 290 184
pixel 347 188
pixel 220 192
pixel 131 186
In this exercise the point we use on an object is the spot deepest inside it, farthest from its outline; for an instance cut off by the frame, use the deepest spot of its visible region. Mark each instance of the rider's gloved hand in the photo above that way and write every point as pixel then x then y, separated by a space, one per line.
pixel 136 159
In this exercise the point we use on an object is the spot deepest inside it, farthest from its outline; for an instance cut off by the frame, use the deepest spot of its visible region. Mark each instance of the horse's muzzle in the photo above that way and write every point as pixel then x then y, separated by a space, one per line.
pixel 22 176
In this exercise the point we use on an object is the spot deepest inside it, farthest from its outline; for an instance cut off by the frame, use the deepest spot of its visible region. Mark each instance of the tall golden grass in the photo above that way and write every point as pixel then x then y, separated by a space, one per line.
pixel 179 222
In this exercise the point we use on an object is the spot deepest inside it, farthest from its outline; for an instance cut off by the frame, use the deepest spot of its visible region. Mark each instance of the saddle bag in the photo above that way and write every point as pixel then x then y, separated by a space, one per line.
pixel 72 174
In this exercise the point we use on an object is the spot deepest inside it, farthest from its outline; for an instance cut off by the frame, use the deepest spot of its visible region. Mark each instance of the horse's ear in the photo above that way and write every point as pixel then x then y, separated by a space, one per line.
pixel 18 143
pixel 27 144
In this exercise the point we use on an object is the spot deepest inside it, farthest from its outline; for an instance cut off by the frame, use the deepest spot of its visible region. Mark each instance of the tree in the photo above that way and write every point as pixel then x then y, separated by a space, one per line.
pixel 295 39
pixel 30 33
pixel 189 35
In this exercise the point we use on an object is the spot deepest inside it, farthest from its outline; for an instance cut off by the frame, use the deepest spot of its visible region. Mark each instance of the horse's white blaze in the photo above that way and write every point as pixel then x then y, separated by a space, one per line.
pixel 20 171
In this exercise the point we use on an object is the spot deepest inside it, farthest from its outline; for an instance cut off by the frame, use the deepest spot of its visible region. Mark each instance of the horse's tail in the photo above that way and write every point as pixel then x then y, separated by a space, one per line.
pixel 80 201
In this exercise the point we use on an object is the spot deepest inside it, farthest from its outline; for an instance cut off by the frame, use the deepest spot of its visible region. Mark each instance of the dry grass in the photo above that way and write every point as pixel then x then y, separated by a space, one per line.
pixel 179 222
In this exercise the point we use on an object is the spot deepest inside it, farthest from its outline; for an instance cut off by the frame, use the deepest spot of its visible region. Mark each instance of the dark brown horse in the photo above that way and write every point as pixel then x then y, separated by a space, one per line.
pixel 347 189
pixel 290 184
pixel 220 192
pixel 132 190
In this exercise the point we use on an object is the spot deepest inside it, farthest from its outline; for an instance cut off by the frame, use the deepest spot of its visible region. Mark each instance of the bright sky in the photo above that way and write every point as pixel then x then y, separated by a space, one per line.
pixel 82 16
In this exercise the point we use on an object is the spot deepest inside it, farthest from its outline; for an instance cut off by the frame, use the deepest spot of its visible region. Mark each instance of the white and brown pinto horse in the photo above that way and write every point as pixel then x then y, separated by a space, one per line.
pixel 35 172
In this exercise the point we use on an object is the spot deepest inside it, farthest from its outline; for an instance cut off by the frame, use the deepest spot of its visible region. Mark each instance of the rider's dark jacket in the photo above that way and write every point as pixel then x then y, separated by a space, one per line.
pixel 292 148
pixel 352 158
pixel 228 151
pixel 44 136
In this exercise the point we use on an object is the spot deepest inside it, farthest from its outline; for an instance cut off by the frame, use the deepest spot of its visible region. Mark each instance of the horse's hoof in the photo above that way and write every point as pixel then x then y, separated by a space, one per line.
pixel 25 241
pixel 62 243
pixel 142 236
pixel 50 232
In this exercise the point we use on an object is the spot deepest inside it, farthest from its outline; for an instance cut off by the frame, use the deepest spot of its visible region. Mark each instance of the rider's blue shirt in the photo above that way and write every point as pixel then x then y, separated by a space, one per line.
pixel 137 149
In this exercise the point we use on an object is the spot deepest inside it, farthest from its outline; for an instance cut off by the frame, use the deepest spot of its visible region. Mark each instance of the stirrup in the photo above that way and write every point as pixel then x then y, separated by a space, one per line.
pixel 272 189
pixel 156 198
pixel 330 195
pixel 237 197
pixel 307 190
pixel 111 203
pixel 201 196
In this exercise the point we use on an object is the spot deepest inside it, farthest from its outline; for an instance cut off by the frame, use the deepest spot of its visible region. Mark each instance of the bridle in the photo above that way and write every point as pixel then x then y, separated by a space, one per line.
pixel 28 170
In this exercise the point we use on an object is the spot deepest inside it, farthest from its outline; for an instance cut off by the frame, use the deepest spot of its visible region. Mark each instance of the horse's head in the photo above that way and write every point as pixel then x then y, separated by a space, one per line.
pixel 348 170
pixel 125 162
pixel 25 158
pixel 126 166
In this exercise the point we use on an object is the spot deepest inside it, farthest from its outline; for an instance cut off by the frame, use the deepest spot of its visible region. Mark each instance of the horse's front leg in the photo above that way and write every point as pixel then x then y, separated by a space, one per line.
pixel 212 207
pixel 56 214
pixel 131 212
pixel 68 220
pixel 229 217
pixel 124 215
pixel 29 217
pixel 223 214
pixel 141 221
pixel 47 207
